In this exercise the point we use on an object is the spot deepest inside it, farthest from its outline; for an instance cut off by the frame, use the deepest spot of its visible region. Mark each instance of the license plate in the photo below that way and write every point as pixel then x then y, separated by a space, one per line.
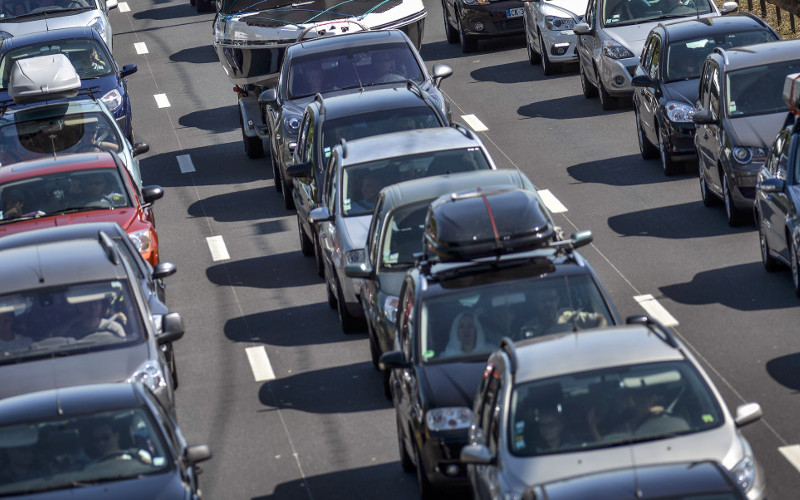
pixel 515 12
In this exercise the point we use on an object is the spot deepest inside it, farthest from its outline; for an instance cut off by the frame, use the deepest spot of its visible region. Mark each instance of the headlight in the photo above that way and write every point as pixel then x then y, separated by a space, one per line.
pixel 355 256
pixel 614 50
pixel 150 374
pixel 291 124
pixel 476 2
pixel 112 100
pixel 448 419
pixel 680 111
pixel 744 155
pixel 745 472
pixel 142 239
pixel 554 23
pixel 97 25
pixel 390 308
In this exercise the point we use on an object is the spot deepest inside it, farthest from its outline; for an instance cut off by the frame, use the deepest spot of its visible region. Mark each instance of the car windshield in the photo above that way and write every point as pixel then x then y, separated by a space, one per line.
pixel 757 90
pixel 10 9
pixel 86 55
pixel 403 237
pixel 61 193
pixel 609 407
pixel 685 58
pixel 361 183
pixel 352 68
pixel 41 133
pixel 515 302
pixel 624 12
pixel 70 452
pixel 68 320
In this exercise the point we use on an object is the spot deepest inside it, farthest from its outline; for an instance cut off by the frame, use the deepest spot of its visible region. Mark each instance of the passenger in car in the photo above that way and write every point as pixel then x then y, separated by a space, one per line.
pixel 550 317
pixel 90 319
pixel 13 204
pixel 466 336
pixel 10 339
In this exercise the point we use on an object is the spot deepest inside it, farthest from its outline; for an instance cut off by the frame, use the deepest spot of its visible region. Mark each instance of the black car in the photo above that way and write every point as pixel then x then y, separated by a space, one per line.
pixel 473 287
pixel 392 107
pixel 467 21
pixel 777 203
pixel 668 75
pixel 95 441
pixel 334 65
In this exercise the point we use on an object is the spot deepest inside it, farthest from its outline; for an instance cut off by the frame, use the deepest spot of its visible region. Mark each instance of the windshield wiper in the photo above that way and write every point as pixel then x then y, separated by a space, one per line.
pixel 72 210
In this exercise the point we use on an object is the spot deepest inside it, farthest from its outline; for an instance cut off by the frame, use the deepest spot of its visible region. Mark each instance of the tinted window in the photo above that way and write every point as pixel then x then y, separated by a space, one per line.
pixel 757 90
pixel 685 58
pixel 13 8
pixel 403 237
pixel 622 12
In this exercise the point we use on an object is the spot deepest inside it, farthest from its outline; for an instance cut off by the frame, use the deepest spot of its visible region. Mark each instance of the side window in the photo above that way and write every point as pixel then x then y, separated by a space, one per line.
pixel 307 151
pixel 714 93
pixel 302 137
pixel 783 151
pixel 702 90
pixel 590 8
pixel 489 416
pixel 374 231
pixel 331 180
pixel 655 58
pixel 644 59
pixel 405 317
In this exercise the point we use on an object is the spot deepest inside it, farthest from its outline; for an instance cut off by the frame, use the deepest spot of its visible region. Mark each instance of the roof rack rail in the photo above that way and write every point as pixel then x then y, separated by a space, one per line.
pixel 723 53
pixel 507 346
pixel 463 129
pixel 656 327
pixel 108 247
pixel 318 97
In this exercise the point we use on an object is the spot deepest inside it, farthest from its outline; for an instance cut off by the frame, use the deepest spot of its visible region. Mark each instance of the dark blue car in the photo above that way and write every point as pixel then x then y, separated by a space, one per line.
pixel 89 55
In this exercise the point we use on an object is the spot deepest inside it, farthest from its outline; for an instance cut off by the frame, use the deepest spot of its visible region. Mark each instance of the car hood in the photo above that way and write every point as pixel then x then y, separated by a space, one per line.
pixel 110 365
pixel 575 7
pixel 451 384
pixel 632 36
pixel 356 229
pixel 756 131
pixel 53 21
pixel 682 91
pixel 391 282
pixel 722 444
pixel 104 83
pixel 123 216
pixel 166 486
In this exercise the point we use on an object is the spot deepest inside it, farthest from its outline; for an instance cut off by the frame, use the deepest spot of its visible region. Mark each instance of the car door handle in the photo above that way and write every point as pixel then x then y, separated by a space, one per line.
pixel 323 235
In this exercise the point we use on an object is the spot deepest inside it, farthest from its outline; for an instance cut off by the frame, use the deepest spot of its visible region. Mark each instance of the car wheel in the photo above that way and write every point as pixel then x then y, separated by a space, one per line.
pixel 770 264
pixel 350 323
pixel 203 5
pixel 253 146
pixel 732 213
pixel 667 163
pixel 276 170
pixel 589 90
pixel 646 147
pixel 192 2
pixel 306 245
pixel 318 257
pixel 606 101
pixel 288 200
pixel 331 296
pixel 449 31
pixel 533 56
pixel 405 458
pixel 468 44
pixel 547 66
pixel 795 268
pixel 709 198
pixel 426 489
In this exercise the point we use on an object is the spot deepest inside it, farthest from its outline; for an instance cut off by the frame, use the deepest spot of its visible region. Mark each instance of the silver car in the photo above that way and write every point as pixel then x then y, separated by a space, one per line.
pixel 20 17
pixel 577 403
pixel 613 33
pixel 548 32
pixel 356 173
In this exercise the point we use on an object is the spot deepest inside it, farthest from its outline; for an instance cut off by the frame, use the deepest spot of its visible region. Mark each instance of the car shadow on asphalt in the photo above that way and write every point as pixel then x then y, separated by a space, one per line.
pixel 289 326
pixel 568 107
pixel 278 270
pixel 245 204
pixel 435 51
pixel 628 170
pixel 197 55
pixel 172 11
pixel 216 120
pixel 677 222
pixel 784 370
pixel 218 164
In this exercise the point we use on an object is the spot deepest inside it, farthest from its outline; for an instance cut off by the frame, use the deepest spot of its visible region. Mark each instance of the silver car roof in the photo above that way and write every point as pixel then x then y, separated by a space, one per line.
pixel 762 53
pixel 409 142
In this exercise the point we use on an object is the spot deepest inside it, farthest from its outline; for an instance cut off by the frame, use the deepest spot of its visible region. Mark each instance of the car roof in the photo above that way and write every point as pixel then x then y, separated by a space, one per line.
pixel 408 142
pixel 692 28
pixel 428 188
pixel 86 230
pixel 56 264
pixel 392 96
pixel 49 35
pixel 359 38
pixel 762 53
pixel 68 401
pixel 63 163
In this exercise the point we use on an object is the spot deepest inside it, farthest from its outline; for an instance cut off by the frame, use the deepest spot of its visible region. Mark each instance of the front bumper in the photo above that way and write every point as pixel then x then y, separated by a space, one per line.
pixel 616 75
pixel 680 140
pixel 561 46
pixel 493 19
pixel 743 185
pixel 440 457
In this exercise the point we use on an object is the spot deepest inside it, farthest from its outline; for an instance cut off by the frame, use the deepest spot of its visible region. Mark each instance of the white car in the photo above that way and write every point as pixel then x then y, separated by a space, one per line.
pixel 548 31
pixel 613 33
pixel 21 17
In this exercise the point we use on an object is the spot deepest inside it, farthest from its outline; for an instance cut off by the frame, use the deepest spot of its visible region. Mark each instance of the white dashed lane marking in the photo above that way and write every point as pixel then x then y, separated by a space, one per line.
pixel 141 48
pixel 655 310
pixel 161 100
pixel 123 7
pixel 474 123
pixel 217 247
pixel 792 454
pixel 259 363
pixel 185 163
pixel 551 202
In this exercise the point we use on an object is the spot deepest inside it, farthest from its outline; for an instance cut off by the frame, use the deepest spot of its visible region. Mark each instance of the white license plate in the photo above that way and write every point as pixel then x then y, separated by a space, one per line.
pixel 515 12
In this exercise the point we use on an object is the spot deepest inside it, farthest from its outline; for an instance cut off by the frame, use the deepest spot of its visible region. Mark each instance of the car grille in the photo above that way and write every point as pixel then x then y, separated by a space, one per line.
pixel 631 69
pixel 509 24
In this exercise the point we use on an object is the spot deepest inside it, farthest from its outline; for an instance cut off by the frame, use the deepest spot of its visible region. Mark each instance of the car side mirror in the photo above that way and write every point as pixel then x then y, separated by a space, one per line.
pixel 320 214
pixel 269 96
pixel 152 193
pixel 128 70
pixel 728 7
pixel 359 270
pixel 112 4
pixel 393 359
pixel 171 328
pixel 581 238
pixel 747 414
pixel 772 185
pixel 582 29
pixel 440 72
pixel 642 81
pixel 164 269
pixel 703 117
pixel 300 170
pixel 477 454
pixel 140 148
pixel 195 454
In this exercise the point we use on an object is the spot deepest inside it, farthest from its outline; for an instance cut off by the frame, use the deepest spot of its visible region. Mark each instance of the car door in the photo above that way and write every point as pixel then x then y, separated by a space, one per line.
pixel 648 96
pixel 777 208
pixel 484 477
pixel 706 141
pixel 369 291
pixel 303 187
pixel 586 43
pixel 327 230
pixel 403 380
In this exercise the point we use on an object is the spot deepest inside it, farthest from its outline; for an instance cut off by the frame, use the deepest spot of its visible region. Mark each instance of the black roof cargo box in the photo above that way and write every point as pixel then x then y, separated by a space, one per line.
pixel 484 223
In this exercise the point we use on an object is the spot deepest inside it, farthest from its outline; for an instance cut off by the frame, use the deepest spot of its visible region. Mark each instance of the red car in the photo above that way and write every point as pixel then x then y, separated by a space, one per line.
pixel 71 189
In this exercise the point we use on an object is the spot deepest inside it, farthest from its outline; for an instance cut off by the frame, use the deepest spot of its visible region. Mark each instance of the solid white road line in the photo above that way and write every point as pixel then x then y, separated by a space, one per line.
pixel 655 310
pixel 551 202
pixel 259 363
pixel 217 247
pixel 161 100
pixel 123 7
pixel 185 163
pixel 141 48
pixel 474 123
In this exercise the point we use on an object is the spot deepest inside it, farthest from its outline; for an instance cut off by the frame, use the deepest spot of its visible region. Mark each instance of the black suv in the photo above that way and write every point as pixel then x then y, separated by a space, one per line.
pixel 327 120
pixel 467 21
pixel 472 287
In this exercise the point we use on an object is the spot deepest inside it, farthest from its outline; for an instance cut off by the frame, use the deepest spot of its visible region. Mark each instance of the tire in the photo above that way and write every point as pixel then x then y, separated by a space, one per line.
pixel 405 459
pixel 770 264
pixel 468 44
pixel 667 163
pixel 646 148
pixel 318 257
pixel 350 323
pixel 547 66
pixel 589 90
pixel 276 170
pixel 709 198
pixel 288 200
pixel 306 245
pixel 426 489
pixel 204 5
pixel 732 213
pixel 192 2
pixel 533 56
pixel 253 146
pixel 450 33
pixel 331 296
pixel 606 101
pixel 374 352
pixel 795 266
